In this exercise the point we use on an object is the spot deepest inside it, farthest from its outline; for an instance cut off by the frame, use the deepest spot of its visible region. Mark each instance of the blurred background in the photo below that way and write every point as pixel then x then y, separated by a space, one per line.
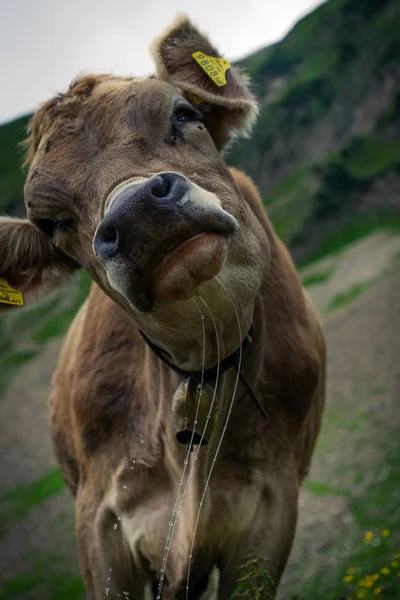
pixel 325 154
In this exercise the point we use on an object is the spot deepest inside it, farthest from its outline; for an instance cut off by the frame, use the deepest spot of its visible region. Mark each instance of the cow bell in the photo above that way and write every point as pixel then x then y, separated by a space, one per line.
pixel 191 404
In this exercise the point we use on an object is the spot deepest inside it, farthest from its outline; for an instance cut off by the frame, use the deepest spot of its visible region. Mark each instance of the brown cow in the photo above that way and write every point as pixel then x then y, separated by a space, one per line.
pixel 127 180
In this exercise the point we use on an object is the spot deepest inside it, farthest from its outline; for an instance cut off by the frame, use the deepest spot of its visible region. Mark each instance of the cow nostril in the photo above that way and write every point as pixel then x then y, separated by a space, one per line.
pixel 161 189
pixel 109 234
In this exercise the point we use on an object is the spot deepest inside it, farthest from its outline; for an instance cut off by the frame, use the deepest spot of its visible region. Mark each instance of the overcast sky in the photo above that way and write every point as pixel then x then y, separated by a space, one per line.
pixel 44 44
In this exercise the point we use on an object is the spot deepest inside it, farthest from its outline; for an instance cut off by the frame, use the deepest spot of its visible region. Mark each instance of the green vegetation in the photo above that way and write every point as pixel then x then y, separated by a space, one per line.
pixel 350 172
pixel 25 331
pixel 323 489
pixel 12 176
pixel 285 187
pixel 348 296
pixel 16 503
pixel 370 564
pixel 356 228
pixel 312 65
pixel 58 324
pixel 48 578
pixel 317 278
pixel 290 202
pixel 255 582
pixel 318 78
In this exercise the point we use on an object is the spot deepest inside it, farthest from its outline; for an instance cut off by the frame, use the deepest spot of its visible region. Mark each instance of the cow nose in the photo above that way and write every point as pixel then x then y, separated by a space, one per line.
pixel 164 189
pixel 114 233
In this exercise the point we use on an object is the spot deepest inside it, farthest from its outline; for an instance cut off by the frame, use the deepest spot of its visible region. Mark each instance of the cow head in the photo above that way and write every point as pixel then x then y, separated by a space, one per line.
pixel 127 180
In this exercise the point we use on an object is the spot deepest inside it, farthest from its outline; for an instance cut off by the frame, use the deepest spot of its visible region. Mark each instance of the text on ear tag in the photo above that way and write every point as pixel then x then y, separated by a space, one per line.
pixel 8 295
pixel 215 68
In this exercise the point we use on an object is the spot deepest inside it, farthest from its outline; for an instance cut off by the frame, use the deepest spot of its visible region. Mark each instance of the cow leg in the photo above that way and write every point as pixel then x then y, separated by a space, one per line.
pixel 198 587
pixel 270 540
pixel 104 581
pixel 105 562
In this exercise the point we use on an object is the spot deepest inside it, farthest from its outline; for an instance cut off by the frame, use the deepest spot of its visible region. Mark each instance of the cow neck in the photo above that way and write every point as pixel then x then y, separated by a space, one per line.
pixel 210 374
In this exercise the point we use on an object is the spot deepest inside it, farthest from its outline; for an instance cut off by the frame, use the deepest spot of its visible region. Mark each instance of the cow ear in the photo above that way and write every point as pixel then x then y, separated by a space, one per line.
pixel 186 58
pixel 30 264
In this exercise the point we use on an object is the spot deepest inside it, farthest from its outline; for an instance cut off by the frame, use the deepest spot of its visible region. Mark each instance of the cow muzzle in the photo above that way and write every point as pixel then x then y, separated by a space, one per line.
pixel 161 237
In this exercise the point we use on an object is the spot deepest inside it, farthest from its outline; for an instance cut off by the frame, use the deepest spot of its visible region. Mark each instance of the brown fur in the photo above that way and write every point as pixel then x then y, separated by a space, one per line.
pixel 111 415
pixel 108 384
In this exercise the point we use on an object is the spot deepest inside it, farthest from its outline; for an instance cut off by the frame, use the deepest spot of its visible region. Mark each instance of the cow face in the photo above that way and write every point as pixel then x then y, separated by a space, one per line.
pixel 127 180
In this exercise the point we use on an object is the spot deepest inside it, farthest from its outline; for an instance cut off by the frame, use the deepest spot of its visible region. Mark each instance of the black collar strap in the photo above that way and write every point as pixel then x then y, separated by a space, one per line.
pixel 211 374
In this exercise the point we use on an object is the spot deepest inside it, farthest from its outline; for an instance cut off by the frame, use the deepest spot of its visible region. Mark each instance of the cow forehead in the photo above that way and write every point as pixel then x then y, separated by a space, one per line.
pixel 96 118
pixel 94 102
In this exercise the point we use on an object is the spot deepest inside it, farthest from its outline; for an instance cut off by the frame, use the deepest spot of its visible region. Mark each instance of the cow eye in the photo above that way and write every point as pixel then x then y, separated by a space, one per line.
pixel 50 227
pixel 184 113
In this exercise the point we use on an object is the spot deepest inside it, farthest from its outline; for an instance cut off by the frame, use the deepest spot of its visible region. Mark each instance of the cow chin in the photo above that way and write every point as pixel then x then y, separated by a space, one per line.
pixel 187 309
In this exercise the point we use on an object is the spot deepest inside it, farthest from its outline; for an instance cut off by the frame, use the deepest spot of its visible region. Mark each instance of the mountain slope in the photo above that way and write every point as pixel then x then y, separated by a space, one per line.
pixel 325 149
pixel 12 176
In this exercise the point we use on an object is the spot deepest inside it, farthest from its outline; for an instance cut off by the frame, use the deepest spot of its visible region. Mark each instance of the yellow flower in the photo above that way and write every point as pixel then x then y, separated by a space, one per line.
pixel 385 571
pixel 368 535
pixel 385 532
pixel 393 563
pixel 397 555
pixel 367 581
pixel 348 578
pixel 350 571
pixel 377 590
pixel 361 594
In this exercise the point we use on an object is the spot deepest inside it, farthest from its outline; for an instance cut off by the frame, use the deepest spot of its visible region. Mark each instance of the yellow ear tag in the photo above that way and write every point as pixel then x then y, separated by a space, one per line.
pixel 215 68
pixel 196 99
pixel 8 295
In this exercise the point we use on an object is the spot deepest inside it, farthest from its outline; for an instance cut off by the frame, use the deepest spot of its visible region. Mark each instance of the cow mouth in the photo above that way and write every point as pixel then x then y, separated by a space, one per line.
pixel 187 264
pixel 169 258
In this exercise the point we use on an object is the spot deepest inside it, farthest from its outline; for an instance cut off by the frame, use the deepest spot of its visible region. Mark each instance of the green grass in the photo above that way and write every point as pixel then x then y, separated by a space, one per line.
pixel 11 363
pixel 54 327
pixel 324 489
pixel 373 535
pixel 356 228
pixel 48 579
pixel 371 158
pixel 286 224
pixel 378 390
pixel 347 297
pixel 24 332
pixel 285 186
pixel 376 511
pixel 318 277
pixel 17 502
pixel 290 203
pixel 12 176
pixel 58 324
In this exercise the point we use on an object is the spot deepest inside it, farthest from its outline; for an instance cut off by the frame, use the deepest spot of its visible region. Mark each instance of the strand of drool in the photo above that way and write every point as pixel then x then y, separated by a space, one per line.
pixel 175 512
pixel 219 443
pixel 195 457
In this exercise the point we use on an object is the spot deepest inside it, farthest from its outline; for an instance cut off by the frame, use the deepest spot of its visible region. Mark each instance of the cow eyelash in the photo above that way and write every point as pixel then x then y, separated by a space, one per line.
pixel 183 114
pixel 49 227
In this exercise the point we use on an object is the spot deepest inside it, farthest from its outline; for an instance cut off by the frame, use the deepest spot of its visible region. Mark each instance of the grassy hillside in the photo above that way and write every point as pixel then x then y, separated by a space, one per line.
pixel 12 176
pixel 325 150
